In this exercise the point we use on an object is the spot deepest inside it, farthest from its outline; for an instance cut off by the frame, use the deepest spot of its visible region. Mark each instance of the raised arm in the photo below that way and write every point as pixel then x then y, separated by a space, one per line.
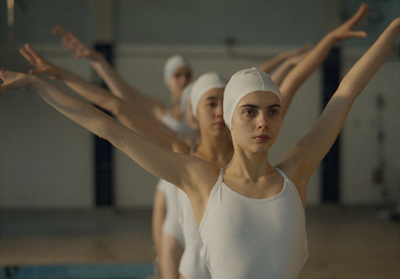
pixel 283 70
pixel 317 55
pixel 310 150
pixel 111 77
pixel 268 66
pixel 179 169
pixel 137 118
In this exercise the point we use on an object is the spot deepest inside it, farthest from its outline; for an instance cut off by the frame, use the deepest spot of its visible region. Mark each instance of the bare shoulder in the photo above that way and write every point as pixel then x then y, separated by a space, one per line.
pixel 294 165
pixel 203 177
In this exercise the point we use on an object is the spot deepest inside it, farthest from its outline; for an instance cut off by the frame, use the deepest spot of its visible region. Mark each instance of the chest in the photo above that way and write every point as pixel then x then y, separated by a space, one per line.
pixel 265 187
pixel 247 234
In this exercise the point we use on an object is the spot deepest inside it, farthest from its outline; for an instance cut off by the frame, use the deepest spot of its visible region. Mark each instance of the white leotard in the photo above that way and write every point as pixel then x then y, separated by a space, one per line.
pixel 192 266
pixel 171 223
pixel 254 238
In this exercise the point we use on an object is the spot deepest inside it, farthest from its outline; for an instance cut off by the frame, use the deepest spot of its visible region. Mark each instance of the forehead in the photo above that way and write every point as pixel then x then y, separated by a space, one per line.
pixel 215 93
pixel 260 98
pixel 182 70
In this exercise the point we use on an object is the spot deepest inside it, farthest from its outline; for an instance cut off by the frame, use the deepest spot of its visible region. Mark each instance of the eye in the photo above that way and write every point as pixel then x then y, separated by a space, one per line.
pixel 250 112
pixel 273 112
pixel 212 104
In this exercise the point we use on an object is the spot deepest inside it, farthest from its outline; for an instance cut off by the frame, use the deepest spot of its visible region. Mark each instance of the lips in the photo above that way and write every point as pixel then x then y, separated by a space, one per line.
pixel 220 123
pixel 262 138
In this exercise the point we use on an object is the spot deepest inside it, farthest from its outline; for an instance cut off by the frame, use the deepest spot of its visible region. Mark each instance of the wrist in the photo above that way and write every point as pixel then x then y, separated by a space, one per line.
pixel 34 83
pixel 396 24
pixel 62 74
pixel 98 60
pixel 332 38
pixel 98 57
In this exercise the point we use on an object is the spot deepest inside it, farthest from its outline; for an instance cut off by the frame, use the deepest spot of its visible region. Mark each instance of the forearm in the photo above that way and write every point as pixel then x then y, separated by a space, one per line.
pixel 279 75
pixel 151 157
pixel 136 119
pixel 365 68
pixel 268 66
pixel 77 110
pixel 300 73
pixel 146 125
pixel 115 82
pixel 91 92
pixel 284 56
pixel 319 141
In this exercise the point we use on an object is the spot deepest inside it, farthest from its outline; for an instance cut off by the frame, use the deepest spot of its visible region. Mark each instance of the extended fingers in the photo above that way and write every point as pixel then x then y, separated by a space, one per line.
pixel 59 31
pixel 68 43
pixel 32 52
pixel 362 11
pixel 27 57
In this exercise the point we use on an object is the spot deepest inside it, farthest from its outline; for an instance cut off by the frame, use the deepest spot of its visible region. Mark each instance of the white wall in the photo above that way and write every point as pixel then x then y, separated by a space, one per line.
pixel 360 151
pixel 45 158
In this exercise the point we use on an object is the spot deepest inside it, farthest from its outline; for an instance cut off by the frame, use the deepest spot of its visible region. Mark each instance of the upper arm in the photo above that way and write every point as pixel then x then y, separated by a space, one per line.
pixel 154 106
pixel 184 171
pixel 304 157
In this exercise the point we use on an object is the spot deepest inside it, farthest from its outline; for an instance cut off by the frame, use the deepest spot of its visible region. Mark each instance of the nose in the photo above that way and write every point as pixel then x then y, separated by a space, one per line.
pixel 262 121
pixel 184 79
pixel 218 110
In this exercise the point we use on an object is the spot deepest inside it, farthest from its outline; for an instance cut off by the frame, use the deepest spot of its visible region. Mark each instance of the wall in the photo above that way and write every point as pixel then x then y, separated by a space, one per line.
pixel 46 159
pixel 361 152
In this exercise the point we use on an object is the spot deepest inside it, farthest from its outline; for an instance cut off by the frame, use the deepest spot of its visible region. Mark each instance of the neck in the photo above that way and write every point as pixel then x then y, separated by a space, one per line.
pixel 175 110
pixel 249 164
pixel 215 150
pixel 175 100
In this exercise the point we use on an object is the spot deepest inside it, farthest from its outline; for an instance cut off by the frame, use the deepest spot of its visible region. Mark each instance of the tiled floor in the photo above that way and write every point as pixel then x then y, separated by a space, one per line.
pixel 344 242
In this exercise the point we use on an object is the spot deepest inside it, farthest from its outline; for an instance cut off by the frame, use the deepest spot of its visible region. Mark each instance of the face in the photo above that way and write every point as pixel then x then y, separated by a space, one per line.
pixel 181 77
pixel 256 121
pixel 209 113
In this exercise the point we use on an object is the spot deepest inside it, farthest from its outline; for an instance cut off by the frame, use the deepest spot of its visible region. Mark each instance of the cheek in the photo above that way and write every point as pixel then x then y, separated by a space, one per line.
pixel 173 81
pixel 277 126
pixel 203 116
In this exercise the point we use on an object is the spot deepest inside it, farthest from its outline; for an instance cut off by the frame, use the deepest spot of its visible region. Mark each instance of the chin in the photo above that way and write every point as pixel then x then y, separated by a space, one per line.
pixel 261 148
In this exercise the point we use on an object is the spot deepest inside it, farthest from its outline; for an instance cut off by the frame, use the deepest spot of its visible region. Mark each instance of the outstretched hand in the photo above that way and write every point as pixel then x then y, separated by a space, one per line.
pixel 42 66
pixel 345 31
pixel 72 43
pixel 14 80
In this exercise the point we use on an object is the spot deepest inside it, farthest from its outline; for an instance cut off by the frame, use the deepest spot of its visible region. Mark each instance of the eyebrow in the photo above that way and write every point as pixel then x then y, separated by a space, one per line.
pixel 212 98
pixel 257 107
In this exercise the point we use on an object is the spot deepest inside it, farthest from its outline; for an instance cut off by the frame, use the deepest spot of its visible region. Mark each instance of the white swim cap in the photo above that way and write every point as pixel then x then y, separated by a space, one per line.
pixel 243 83
pixel 205 82
pixel 185 96
pixel 173 63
